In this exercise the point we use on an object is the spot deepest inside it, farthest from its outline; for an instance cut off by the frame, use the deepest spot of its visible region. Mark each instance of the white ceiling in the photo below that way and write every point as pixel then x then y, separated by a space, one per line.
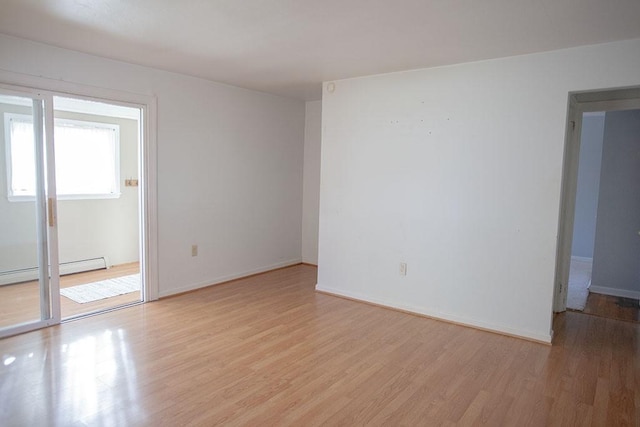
pixel 288 47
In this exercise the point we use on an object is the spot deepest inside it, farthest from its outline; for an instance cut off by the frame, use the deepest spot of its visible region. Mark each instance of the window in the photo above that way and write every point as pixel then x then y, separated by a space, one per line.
pixel 87 158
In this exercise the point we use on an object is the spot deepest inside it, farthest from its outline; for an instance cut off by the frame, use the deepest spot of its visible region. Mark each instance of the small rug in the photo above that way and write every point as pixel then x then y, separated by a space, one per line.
pixel 579 282
pixel 102 289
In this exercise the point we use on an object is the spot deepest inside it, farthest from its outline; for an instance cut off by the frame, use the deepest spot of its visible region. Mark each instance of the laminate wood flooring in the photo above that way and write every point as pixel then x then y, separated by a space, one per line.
pixel 613 307
pixel 268 350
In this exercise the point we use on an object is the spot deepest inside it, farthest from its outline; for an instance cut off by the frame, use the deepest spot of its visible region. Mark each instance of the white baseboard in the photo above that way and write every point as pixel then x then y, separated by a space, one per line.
pixel 614 292
pixel 223 279
pixel 581 258
pixel 307 260
pixel 500 329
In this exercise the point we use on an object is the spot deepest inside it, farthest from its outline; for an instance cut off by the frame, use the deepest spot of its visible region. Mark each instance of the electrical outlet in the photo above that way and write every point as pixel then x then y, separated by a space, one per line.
pixel 194 250
pixel 403 268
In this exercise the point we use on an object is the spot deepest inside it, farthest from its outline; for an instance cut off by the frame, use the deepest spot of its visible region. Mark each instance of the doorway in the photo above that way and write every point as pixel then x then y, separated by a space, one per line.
pixel 600 217
pixel 586 210
pixel 97 150
pixel 74 215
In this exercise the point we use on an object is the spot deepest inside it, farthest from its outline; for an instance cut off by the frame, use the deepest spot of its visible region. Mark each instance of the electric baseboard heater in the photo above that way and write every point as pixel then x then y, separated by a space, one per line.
pixel 30 274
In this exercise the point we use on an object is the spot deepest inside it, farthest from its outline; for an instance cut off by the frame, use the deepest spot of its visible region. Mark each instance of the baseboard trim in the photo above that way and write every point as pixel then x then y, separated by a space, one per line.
pixel 443 317
pixel 614 292
pixel 309 263
pixel 71 267
pixel 229 278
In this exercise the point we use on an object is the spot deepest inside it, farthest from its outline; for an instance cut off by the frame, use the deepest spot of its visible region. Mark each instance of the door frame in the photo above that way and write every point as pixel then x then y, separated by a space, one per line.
pixel 147 104
pixel 627 98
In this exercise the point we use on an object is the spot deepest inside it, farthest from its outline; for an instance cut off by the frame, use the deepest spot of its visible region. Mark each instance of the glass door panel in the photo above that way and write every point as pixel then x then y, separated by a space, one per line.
pixel 25 285
pixel 97 159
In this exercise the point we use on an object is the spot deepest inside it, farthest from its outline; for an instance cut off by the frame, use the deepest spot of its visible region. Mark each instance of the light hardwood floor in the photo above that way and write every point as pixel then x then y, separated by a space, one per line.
pixel 268 350
pixel 613 307
pixel 21 302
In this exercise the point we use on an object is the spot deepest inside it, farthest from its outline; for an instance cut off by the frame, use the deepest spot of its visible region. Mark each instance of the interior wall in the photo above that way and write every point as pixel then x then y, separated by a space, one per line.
pixel 311 184
pixel 104 227
pixel 229 164
pixel 584 225
pixel 90 228
pixel 455 171
pixel 616 261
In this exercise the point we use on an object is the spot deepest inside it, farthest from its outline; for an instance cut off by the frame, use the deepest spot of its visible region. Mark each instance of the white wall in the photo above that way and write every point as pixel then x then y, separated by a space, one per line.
pixel 108 227
pixel 584 225
pixel 455 171
pixel 616 255
pixel 229 164
pixel 311 185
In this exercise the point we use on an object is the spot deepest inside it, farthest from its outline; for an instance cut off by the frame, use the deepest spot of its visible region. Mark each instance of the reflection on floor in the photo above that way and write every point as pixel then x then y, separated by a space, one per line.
pixel 20 303
pixel 613 307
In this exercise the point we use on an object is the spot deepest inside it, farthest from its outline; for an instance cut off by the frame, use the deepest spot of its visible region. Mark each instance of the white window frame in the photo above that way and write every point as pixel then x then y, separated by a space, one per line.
pixel 73 122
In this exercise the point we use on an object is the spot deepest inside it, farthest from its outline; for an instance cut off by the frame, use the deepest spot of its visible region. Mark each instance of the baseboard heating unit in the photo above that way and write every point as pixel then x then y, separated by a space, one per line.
pixel 29 274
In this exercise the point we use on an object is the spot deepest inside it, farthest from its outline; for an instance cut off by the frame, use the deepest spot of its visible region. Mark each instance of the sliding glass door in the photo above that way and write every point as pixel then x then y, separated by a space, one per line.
pixel 28 270
pixel 85 158
pixel 97 161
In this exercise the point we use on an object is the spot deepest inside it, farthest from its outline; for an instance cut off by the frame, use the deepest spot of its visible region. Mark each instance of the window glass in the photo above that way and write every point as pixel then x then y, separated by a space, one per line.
pixel 87 158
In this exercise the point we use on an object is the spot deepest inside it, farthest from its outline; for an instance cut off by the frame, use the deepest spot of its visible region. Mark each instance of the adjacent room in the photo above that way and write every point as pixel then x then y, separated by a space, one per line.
pixel 605 250
pixel 319 213
pixel 96 150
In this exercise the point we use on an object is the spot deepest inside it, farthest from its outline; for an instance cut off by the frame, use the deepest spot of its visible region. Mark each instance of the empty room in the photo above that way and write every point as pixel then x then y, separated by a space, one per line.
pixel 319 213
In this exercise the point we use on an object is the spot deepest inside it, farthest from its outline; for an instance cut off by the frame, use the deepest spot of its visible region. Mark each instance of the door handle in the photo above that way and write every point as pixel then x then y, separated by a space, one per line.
pixel 51 212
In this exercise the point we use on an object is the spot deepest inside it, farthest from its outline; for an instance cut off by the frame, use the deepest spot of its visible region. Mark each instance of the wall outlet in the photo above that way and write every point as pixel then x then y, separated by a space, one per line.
pixel 403 268
pixel 194 250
